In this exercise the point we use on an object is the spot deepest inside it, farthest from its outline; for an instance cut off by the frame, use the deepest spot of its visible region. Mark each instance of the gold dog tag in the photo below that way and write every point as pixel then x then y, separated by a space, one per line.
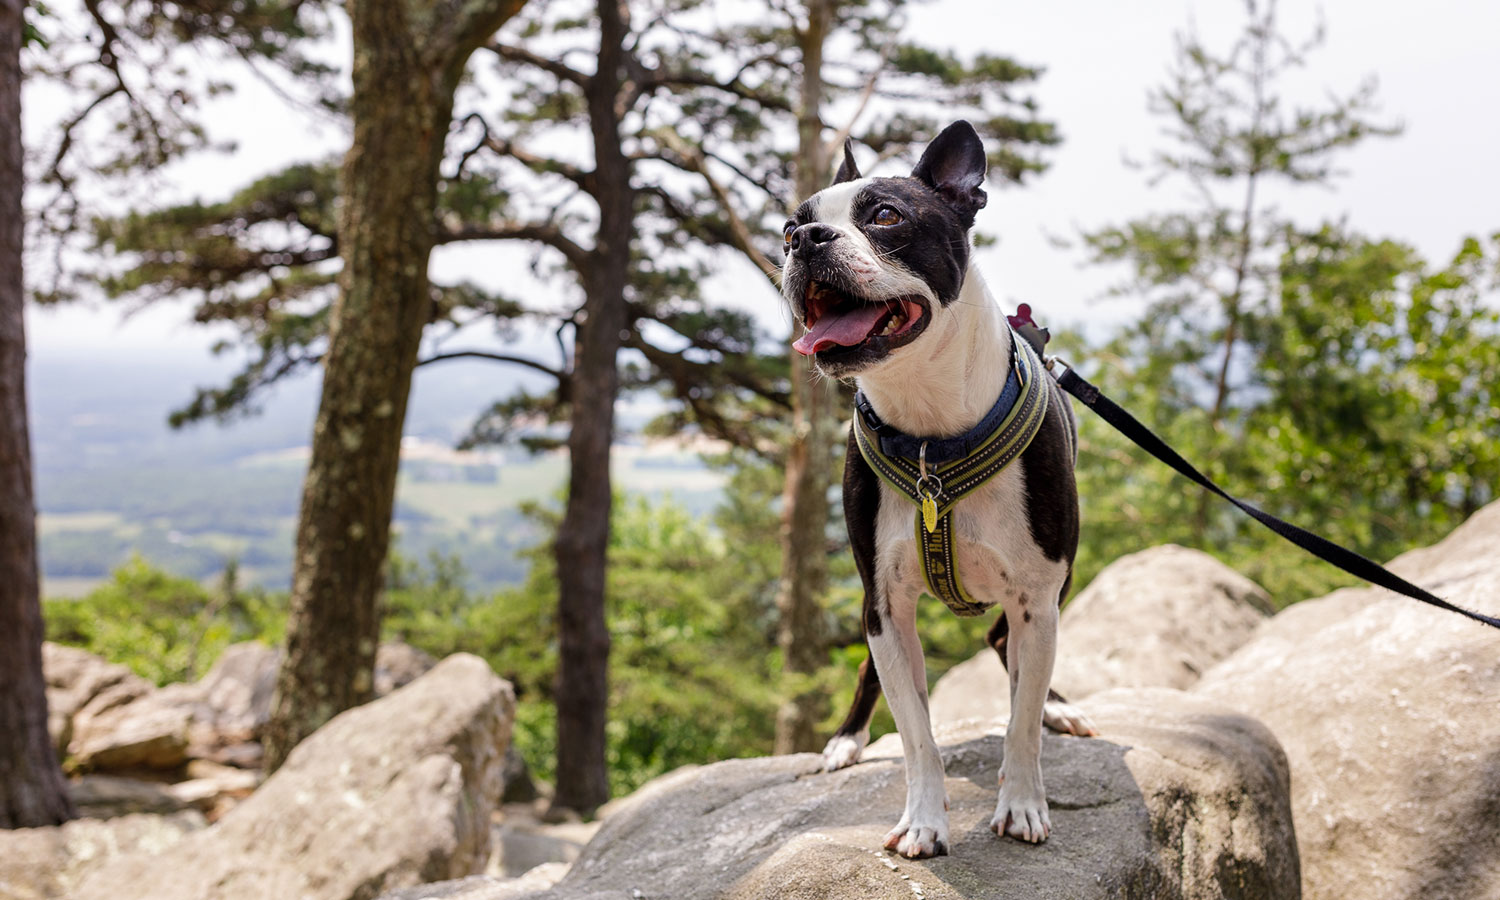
pixel 929 514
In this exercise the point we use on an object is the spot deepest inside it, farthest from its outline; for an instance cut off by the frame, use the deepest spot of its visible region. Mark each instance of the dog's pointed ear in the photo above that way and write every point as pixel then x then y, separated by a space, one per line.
pixel 953 165
pixel 848 171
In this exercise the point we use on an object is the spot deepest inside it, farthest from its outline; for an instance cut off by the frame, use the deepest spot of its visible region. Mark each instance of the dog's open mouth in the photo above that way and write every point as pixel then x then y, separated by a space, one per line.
pixel 837 321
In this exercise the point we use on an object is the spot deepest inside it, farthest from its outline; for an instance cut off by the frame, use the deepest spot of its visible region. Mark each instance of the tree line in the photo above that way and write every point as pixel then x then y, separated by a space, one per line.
pixel 635 148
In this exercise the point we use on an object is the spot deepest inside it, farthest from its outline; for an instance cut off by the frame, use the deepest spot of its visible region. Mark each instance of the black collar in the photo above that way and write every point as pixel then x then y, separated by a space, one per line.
pixel 894 442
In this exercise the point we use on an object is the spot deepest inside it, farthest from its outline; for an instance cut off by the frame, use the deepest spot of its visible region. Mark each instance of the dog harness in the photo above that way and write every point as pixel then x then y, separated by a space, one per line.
pixel 936 473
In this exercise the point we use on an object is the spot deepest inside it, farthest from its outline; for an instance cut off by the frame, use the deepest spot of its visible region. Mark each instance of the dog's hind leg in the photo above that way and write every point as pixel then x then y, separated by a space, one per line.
pixel 849 741
pixel 1057 713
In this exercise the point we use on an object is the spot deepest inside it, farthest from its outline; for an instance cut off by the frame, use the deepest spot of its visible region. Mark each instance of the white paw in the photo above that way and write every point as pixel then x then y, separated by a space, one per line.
pixel 844 750
pixel 927 836
pixel 1068 719
pixel 1021 811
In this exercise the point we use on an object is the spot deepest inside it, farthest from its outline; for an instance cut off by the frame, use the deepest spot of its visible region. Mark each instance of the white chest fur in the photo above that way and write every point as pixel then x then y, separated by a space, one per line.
pixel 943 392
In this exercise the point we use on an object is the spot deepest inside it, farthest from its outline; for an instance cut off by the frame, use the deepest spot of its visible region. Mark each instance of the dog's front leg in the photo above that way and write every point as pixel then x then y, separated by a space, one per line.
pixel 897 651
pixel 1021 810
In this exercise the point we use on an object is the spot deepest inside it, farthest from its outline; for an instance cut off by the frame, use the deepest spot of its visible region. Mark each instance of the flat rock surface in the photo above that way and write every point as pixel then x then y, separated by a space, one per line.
pixel 1158 618
pixel 1387 709
pixel 48 863
pixel 391 794
pixel 1178 800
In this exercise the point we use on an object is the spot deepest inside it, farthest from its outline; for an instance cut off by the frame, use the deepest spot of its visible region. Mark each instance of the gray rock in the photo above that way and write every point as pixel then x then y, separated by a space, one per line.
pixel 392 794
pixel 213 788
pixel 485 887
pixel 1158 618
pixel 233 701
pixel 1386 709
pixel 48 863
pixel 520 787
pixel 398 664
pixel 522 843
pixel 127 724
pixel 147 732
pixel 1177 800
pixel 77 679
pixel 107 796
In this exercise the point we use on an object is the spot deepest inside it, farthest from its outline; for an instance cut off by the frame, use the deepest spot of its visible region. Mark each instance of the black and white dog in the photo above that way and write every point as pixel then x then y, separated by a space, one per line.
pixel 878 271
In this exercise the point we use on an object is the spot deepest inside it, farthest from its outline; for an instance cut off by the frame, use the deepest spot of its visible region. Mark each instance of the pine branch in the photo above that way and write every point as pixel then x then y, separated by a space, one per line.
pixel 559 69
pixel 494 357
pixel 542 232
pixel 741 238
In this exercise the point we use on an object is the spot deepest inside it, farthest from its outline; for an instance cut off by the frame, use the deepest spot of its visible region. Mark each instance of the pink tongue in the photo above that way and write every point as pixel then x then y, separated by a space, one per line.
pixel 840 330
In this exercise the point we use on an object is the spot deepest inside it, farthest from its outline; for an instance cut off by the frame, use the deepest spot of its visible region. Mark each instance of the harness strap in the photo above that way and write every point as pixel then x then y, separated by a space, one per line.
pixel 936 487
pixel 1324 549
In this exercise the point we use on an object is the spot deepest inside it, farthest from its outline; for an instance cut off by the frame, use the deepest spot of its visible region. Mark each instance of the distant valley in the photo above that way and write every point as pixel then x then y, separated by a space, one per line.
pixel 114 480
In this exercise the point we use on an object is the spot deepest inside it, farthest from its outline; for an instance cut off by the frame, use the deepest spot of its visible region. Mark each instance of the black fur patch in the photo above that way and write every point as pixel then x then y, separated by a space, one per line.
pixel 848 169
pixel 861 507
pixel 866 692
pixel 1051 492
pixel 954 165
pixel 931 240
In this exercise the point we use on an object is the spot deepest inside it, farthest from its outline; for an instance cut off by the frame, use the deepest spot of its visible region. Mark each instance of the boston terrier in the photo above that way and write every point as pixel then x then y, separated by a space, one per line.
pixel 878 271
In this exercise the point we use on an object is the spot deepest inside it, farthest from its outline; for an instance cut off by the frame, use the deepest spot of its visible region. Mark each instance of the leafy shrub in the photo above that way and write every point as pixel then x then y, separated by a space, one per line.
pixel 163 627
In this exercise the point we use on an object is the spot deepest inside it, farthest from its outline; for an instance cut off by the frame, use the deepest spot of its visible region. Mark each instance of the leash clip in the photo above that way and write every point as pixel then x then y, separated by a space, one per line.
pixel 1051 361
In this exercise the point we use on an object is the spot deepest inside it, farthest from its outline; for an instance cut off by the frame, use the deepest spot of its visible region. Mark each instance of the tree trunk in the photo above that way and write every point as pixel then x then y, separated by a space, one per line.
pixel 31 785
pixel 582 686
pixel 405 71
pixel 814 445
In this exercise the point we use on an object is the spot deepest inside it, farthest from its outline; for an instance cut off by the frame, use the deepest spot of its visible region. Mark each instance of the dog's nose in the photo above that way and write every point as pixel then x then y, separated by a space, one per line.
pixel 811 235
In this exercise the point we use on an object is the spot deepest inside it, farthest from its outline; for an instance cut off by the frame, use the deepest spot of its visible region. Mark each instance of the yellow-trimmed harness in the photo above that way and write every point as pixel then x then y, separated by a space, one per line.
pixel 936 473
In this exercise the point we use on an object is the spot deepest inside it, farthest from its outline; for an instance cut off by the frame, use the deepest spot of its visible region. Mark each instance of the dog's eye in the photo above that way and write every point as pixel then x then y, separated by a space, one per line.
pixel 786 233
pixel 886 216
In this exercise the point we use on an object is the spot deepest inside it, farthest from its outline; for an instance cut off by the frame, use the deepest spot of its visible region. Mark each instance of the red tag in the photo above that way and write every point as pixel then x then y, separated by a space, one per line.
pixel 1022 317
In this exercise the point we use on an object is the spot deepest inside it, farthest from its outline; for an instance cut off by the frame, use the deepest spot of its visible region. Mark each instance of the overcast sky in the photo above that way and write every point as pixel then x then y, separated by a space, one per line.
pixel 1439 74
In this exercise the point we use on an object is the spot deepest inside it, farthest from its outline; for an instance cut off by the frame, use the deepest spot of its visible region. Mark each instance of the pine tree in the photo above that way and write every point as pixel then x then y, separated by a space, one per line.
pixel 408 63
pixel 31 785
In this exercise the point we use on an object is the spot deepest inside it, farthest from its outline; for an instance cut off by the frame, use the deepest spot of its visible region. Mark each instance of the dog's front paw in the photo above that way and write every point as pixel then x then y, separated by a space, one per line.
pixel 1065 717
pixel 1021 811
pixel 844 750
pixel 919 838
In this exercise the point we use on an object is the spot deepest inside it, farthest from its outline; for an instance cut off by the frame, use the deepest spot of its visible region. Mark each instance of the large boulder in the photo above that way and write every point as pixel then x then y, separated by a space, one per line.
pixel 1386 708
pixel 1158 618
pixel 1177 800
pixel 48 863
pixel 391 794
pixel 77 680
pixel 148 732
pixel 232 703
pixel 126 724
pixel 398 664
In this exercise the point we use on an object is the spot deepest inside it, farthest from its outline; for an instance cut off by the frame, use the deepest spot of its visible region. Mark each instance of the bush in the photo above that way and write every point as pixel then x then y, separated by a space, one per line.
pixel 163 627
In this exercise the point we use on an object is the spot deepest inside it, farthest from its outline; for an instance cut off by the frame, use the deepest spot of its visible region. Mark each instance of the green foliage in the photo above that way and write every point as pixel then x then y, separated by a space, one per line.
pixel 165 628
pixel 691 677
pixel 1366 413
pixel 1336 380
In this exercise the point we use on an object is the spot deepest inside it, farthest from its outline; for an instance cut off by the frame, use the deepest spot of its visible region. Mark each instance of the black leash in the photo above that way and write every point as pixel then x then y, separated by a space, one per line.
pixel 1322 548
